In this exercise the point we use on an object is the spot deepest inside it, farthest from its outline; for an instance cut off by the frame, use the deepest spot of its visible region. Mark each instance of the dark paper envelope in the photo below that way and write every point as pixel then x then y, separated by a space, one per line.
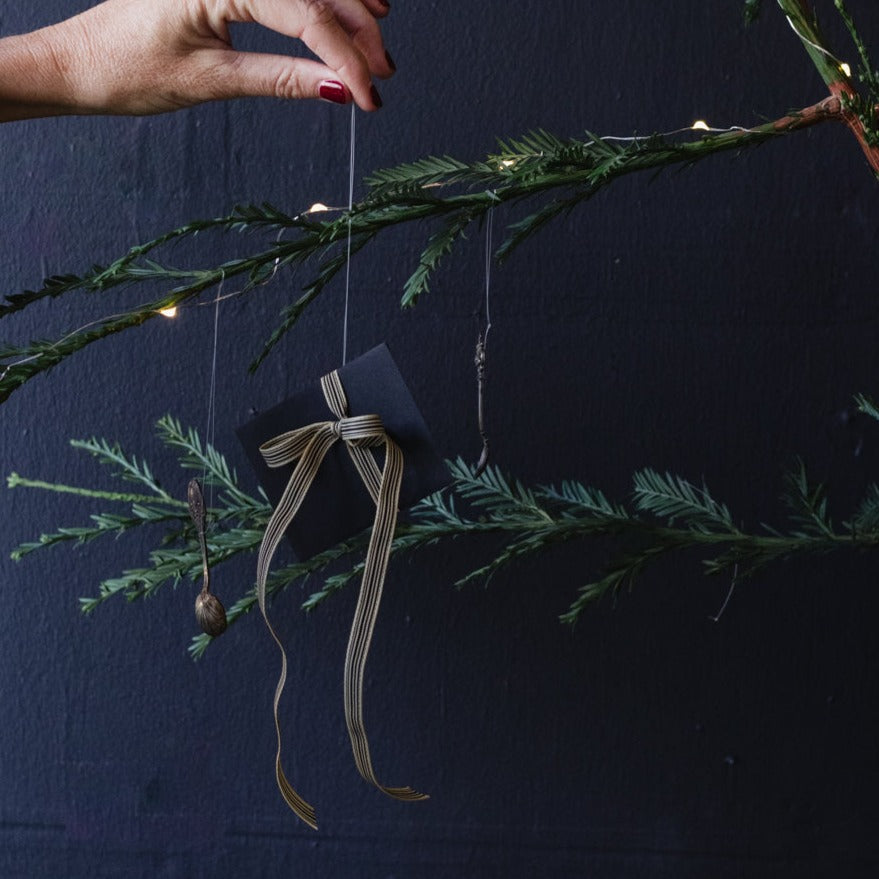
pixel 338 505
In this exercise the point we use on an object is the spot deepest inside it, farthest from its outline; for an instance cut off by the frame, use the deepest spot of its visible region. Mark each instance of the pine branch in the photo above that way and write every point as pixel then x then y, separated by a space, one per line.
pixel 213 468
pixel 866 519
pixel 867 405
pixel 858 112
pixel 292 313
pixel 867 72
pixel 668 514
pixel 524 169
pixel 129 468
pixel 808 504
pixel 673 498
pixel 126 269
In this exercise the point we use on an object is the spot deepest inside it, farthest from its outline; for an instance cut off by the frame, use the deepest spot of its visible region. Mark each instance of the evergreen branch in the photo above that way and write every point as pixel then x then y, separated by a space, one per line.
pixel 574 496
pixel 20 364
pixel 867 72
pixel 524 229
pixel 104 524
pixel 859 114
pixel 293 312
pixel 672 498
pixel 125 269
pixel 624 570
pixel 14 480
pixel 808 504
pixel 867 405
pixel 440 244
pixel 423 173
pixel 525 168
pixel 866 519
pixel 527 521
pixel 214 470
pixel 129 469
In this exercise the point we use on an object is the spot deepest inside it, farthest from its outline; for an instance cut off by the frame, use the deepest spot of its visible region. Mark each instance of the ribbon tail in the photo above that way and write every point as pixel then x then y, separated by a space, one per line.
pixel 291 500
pixel 365 616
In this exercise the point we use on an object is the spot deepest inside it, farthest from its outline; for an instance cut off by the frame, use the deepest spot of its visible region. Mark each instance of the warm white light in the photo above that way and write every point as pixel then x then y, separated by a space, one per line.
pixel 317 208
pixel 845 68
pixel 168 312
pixel 508 163
pixel 700 125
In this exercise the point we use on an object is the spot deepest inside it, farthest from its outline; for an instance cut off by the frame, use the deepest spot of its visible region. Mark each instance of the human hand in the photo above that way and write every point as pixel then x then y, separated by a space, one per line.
pixel 151 56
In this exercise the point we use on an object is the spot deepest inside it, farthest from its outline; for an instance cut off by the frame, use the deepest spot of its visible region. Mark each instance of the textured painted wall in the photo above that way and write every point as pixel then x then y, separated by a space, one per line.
pixel 714 321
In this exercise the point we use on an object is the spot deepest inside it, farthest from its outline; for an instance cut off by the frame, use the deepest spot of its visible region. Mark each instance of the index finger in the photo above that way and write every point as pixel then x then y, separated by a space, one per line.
pixel 315 22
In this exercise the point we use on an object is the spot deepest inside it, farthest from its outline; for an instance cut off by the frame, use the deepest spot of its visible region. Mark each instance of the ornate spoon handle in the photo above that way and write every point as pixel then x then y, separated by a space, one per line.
pixel 199 517
pixel 209 611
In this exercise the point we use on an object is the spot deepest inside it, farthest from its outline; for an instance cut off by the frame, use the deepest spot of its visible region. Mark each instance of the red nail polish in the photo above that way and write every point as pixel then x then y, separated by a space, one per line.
pixel 330 90
pixel 376 97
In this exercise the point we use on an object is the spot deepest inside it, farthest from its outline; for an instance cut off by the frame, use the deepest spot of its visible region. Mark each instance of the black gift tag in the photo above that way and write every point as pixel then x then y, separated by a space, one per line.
pixel 338 505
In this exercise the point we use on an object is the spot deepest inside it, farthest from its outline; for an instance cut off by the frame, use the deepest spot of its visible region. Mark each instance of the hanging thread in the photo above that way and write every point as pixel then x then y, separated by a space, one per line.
pixel 481 349
pixel 209 610
pixel 348 253
pixel 210 430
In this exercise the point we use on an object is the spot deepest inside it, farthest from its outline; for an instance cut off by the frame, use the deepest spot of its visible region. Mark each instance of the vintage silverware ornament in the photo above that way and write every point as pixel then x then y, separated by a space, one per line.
pixel 209 610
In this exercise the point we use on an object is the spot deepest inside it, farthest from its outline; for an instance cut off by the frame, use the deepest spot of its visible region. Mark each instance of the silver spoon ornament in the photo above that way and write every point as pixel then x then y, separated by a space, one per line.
pixel 209 611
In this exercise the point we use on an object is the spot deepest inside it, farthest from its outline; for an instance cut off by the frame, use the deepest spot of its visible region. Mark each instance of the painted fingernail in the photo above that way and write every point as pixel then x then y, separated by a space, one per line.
pixel 390 61
pixel 376 97
pixel 330 90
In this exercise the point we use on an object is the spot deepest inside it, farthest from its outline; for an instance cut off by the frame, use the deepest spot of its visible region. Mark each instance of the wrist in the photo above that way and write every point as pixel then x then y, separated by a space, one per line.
pixel 35 76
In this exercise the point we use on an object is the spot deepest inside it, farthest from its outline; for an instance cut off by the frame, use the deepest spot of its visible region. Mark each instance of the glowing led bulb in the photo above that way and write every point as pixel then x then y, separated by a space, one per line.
pixel 700 125
pixel 845 68
pixel 168 312
pixel 317 208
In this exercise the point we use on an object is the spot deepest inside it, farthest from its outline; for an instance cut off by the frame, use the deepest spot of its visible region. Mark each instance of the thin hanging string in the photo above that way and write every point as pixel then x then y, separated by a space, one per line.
pixel 348 256
pixel 210 430
pixel 489 231
pixel 481 349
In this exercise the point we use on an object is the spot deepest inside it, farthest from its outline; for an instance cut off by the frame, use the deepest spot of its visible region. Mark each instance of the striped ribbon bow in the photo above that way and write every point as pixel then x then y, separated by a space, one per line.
pixel 307 446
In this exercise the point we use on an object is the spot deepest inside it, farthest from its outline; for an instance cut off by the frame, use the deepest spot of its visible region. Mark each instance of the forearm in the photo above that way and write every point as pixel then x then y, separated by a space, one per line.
pixel 34 76
pixel 152 56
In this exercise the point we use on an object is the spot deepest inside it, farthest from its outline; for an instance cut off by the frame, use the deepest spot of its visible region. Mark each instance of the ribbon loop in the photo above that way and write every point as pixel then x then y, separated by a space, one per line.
pixel 307 446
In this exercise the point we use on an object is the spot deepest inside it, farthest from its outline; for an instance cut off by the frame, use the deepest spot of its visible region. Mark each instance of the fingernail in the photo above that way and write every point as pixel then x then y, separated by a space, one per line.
pixel 330 90
pixel 390 61
pixel 376 97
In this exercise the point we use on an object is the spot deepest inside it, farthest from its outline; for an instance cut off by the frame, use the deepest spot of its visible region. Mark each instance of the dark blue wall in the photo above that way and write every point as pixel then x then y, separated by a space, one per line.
pixel 714 321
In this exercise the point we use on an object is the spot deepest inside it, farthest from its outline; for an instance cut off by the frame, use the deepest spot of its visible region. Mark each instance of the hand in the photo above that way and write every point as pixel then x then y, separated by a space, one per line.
pixel 151 56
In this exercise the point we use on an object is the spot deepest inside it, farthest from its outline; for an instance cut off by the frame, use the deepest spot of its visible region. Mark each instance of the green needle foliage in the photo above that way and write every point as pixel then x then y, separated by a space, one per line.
pixel 665 513
pixel 548 174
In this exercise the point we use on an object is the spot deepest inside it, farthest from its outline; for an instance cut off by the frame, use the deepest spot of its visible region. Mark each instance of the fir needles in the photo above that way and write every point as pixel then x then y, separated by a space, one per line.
pixel 664 514
pixel 550 174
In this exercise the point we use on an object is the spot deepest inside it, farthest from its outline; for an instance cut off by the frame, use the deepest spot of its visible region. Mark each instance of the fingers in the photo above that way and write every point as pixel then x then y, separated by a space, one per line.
pixel 249 74
pixel 342 33
pixel 364 32
pixel 379 8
